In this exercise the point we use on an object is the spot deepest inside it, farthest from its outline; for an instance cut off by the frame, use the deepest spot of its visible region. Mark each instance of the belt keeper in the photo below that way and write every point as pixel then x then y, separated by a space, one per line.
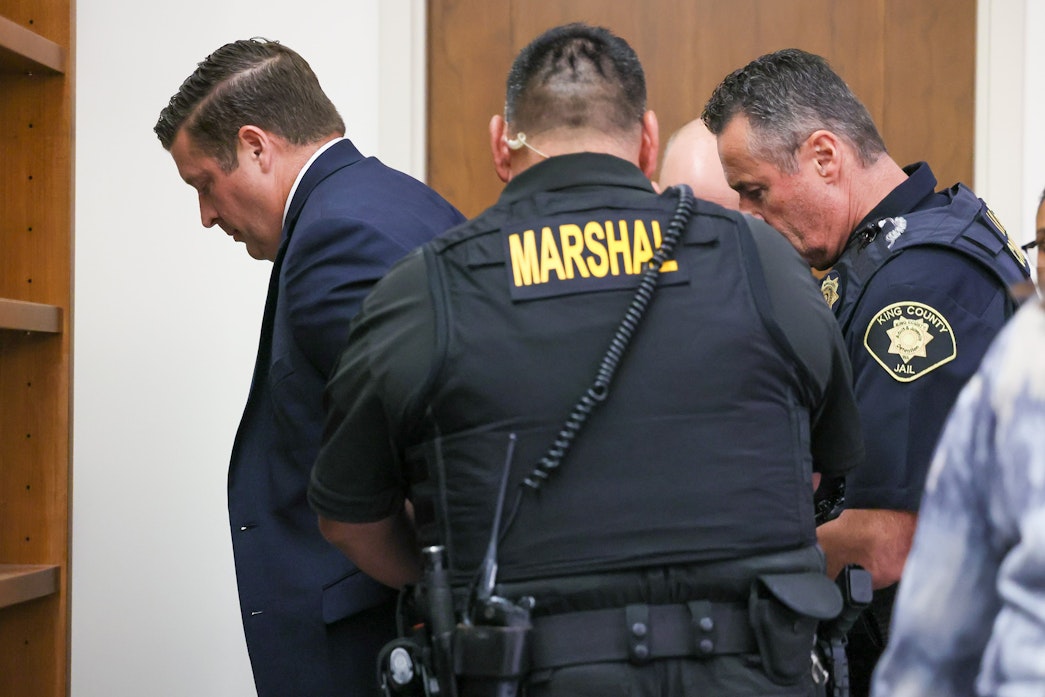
pixel 703 627
pixel 637 631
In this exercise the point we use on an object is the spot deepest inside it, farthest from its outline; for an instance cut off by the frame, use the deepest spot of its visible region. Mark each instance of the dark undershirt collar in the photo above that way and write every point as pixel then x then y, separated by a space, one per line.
pixel 915 193
pixel 585 169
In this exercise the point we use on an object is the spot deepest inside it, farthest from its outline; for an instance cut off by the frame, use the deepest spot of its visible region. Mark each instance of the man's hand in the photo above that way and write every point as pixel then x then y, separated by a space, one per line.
pixel 876 539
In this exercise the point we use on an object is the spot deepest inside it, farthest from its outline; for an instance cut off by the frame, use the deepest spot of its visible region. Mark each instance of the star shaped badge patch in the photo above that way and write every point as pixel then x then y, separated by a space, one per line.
pixel 910 339
pixel 830 286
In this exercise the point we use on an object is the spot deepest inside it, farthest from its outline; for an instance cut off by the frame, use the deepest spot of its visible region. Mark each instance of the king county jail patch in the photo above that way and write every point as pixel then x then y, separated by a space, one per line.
pixel 910 339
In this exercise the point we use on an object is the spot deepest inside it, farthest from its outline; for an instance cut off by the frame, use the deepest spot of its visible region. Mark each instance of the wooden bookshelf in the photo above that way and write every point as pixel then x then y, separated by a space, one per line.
pixel 20 583
pixel 36 252
pixel 22 50
pixel 30 317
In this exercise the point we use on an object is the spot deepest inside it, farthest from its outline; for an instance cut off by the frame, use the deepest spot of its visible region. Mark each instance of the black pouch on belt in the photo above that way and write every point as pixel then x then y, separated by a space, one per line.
pixel 785 610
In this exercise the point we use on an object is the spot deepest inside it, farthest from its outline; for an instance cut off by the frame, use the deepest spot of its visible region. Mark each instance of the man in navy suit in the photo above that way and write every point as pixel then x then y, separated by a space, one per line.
pixel 252 131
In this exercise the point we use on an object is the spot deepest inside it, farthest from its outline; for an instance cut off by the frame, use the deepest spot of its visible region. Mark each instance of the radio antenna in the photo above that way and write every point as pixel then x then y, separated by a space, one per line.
pixel 488 571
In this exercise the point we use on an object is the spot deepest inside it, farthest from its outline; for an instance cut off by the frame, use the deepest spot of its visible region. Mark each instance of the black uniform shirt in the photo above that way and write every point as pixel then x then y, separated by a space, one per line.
pixel 400 365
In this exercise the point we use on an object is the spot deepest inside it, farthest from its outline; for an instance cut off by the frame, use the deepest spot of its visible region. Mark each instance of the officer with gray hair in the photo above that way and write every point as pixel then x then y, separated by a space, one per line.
pixel 919 281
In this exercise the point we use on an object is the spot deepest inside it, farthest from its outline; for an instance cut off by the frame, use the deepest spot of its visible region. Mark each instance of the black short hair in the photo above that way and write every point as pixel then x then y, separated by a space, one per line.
pixel 786 96
pixel 576 76
pixel 251 81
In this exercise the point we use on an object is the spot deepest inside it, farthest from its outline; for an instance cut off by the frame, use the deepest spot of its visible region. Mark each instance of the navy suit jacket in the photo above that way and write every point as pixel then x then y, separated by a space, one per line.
pixel 313 622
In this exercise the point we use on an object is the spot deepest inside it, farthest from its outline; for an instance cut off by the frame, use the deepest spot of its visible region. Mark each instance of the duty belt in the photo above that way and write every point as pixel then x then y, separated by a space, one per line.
pixel 642 633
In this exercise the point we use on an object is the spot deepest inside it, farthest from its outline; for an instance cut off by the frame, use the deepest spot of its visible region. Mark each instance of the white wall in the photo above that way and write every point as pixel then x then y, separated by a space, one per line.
pixel 167 313
pixel 1010 101
pixel 1033 134
pixel 167 316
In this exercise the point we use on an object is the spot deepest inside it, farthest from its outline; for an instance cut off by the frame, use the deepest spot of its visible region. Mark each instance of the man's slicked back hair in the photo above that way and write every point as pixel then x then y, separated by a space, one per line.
pixel 249 82
pixel 786 96
pixel 576 76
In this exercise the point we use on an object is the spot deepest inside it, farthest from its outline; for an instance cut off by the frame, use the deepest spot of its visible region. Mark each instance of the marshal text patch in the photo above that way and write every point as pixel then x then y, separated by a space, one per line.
pixel 910 339
pixel 574 254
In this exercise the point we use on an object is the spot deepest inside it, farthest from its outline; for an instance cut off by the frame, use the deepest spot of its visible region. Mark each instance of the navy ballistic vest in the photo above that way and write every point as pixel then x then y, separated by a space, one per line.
pixel 964 225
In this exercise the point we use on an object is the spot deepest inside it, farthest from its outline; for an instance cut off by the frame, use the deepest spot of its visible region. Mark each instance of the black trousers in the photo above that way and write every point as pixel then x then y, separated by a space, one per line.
pixel 867 641
pixel 722 676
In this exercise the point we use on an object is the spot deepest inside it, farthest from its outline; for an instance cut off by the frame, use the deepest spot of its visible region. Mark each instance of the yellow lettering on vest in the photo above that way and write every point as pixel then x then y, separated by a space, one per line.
pixel 618 246
pixel 572 246
pixel 525 263
pixel 550 259
pixel 641 251
pixel 670 264
pixel 598 264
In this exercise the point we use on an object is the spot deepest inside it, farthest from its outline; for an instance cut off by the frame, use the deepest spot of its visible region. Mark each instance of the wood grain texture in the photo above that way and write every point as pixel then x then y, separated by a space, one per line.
pixel 36 221
pixel 30 317
pixel 22 583
pixel 22 50
pixel 912 64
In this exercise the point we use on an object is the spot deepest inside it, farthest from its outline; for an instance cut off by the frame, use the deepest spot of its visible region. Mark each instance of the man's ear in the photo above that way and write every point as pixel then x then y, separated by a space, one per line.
pixel 502 154
pixel 823 149
pixel 650 144
pixel 255 145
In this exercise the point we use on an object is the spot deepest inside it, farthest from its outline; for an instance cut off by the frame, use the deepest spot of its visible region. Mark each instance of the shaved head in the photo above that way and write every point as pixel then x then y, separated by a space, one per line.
pixel 691 157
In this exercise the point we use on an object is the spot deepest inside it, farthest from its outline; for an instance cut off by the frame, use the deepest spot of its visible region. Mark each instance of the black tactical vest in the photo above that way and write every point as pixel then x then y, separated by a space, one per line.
pixel 701 451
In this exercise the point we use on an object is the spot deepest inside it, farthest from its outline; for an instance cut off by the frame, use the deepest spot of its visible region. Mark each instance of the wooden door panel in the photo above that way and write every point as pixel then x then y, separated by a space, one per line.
pixel 912 64
pixel 469 51
pixel 929 64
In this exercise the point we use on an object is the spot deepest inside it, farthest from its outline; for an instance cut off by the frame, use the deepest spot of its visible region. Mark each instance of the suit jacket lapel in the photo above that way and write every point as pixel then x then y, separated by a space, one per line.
pixel 341 154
